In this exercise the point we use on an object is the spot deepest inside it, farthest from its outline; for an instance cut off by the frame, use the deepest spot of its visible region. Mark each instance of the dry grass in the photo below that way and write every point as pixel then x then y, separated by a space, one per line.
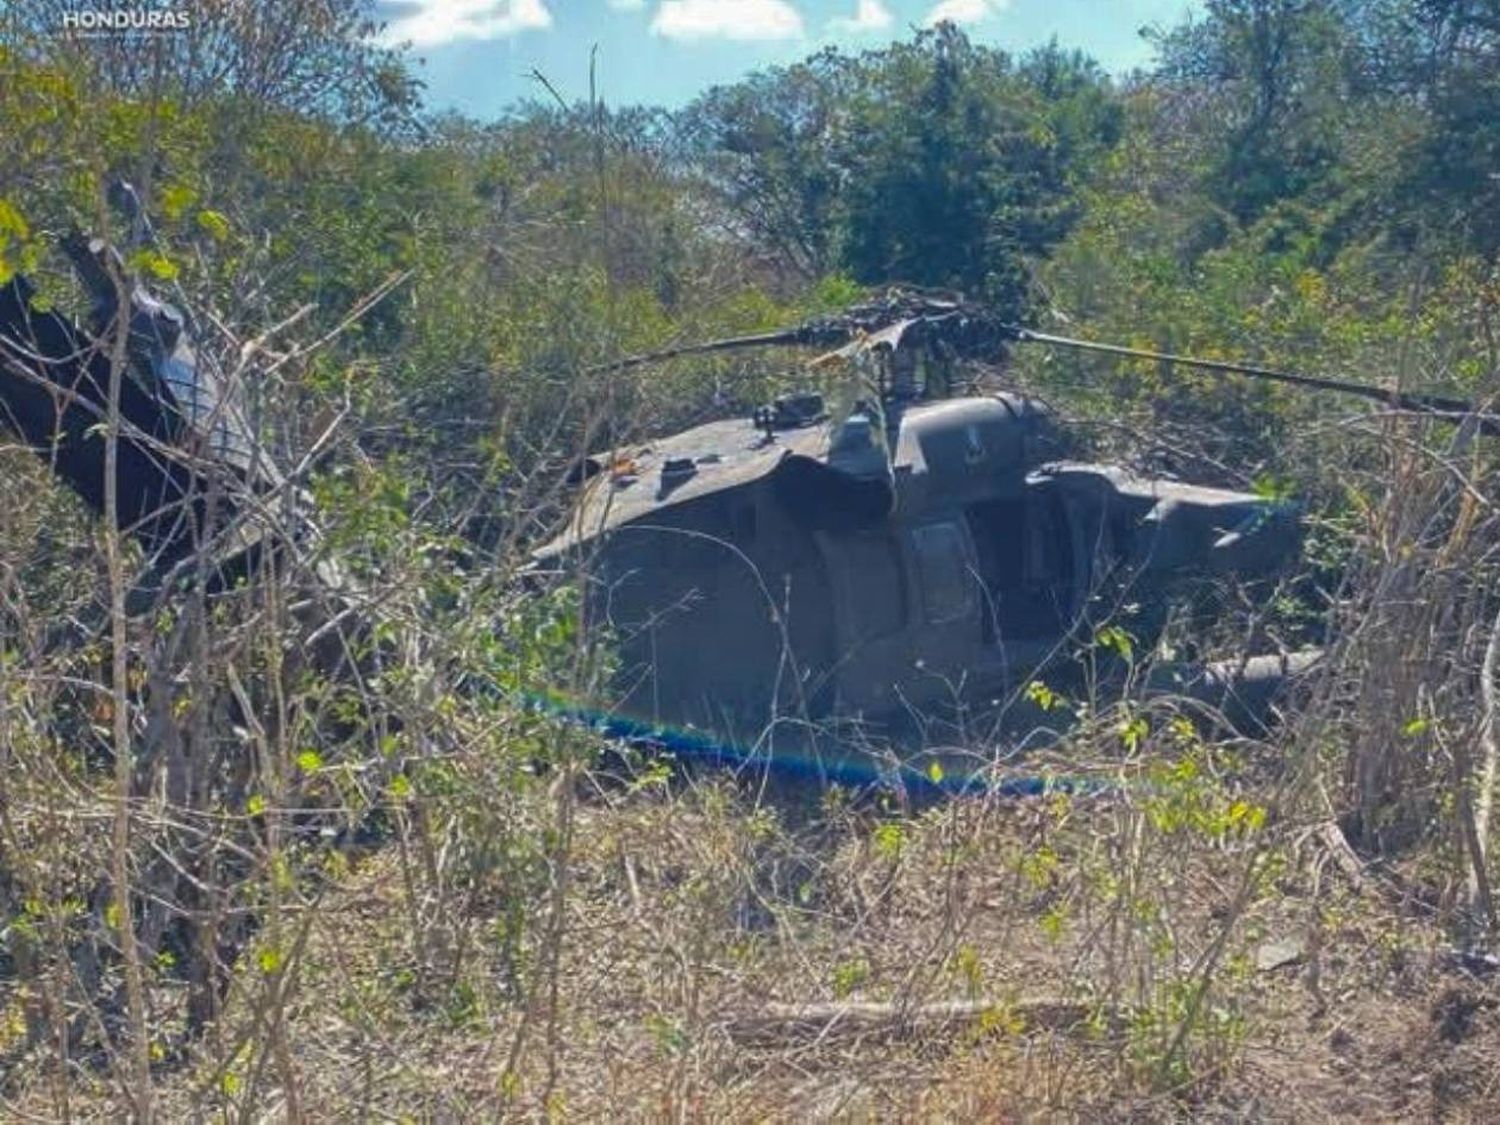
pixel 694 907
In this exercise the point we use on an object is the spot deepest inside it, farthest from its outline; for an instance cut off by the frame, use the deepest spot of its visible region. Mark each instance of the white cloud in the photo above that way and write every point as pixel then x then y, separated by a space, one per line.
pixel 727 19
pixel 430 23
pixel 870 15
pixel 964 11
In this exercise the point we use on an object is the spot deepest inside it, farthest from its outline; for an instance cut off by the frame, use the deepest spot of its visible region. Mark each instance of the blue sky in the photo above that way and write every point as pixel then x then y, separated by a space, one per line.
pixel 478 53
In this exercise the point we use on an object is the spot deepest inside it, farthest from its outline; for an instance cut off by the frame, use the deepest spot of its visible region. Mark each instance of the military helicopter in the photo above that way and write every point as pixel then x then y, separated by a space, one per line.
pixel 901 555
pixel 884 553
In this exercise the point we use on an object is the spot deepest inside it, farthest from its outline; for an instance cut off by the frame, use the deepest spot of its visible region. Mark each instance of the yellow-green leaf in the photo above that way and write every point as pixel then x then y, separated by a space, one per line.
pixel 156 264
pixel 177 198
pixel 214 223
pixel 11 222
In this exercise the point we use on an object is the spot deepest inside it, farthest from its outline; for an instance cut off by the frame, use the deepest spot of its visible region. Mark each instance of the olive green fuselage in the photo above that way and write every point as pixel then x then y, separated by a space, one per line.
pixel 747 578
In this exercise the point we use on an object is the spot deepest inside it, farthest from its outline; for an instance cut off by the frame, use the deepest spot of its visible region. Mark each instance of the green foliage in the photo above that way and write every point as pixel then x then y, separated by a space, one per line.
pixel 1187 798
pixel 214 223
pixel 154 264
pixel 1043 696
pixel 17 251
pixel 849 975
pixel 1272 199
pixel 936 162
pixel 1114 638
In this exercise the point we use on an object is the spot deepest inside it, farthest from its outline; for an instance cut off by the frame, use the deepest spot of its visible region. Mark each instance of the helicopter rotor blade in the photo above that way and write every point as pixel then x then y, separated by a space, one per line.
pixel 967 331
pixel 790 336
pixel 936 313
pixel 1441 405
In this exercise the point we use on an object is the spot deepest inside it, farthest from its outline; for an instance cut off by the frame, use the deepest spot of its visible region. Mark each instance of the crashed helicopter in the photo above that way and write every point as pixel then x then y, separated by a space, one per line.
pixel 892 551
pixel 903 556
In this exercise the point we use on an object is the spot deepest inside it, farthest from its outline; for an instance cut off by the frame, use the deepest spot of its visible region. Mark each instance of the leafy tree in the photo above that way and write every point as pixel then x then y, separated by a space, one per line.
pixel 309 56
pixel 937 161
pixel 773 146
pixel 1447 57
pixel 964 164
pixel 1263 79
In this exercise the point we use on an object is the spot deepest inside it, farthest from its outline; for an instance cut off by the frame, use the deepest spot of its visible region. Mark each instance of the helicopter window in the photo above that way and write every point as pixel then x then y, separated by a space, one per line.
pixel 943 562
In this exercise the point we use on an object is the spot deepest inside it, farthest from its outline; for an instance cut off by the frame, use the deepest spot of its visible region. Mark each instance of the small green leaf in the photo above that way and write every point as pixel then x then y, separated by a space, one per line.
pixel 11 222
pixel 156 264
pixel 255 805
pixel 1133 733
pixel 309 761
pixel 1054 922
pixel 935 772
pixel 177 198
pixel 1043 696
pixel 1116 638
pixel 1269 486
pixel 215 224
pixel 889 840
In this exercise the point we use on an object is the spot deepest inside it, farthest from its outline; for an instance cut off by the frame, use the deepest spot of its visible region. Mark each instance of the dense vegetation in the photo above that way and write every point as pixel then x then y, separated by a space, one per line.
pixel 414 896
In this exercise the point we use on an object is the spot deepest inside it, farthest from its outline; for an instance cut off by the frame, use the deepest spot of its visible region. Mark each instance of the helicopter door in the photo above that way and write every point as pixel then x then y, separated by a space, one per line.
pixel 907 613
pixel 871 612
pixel 949 633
